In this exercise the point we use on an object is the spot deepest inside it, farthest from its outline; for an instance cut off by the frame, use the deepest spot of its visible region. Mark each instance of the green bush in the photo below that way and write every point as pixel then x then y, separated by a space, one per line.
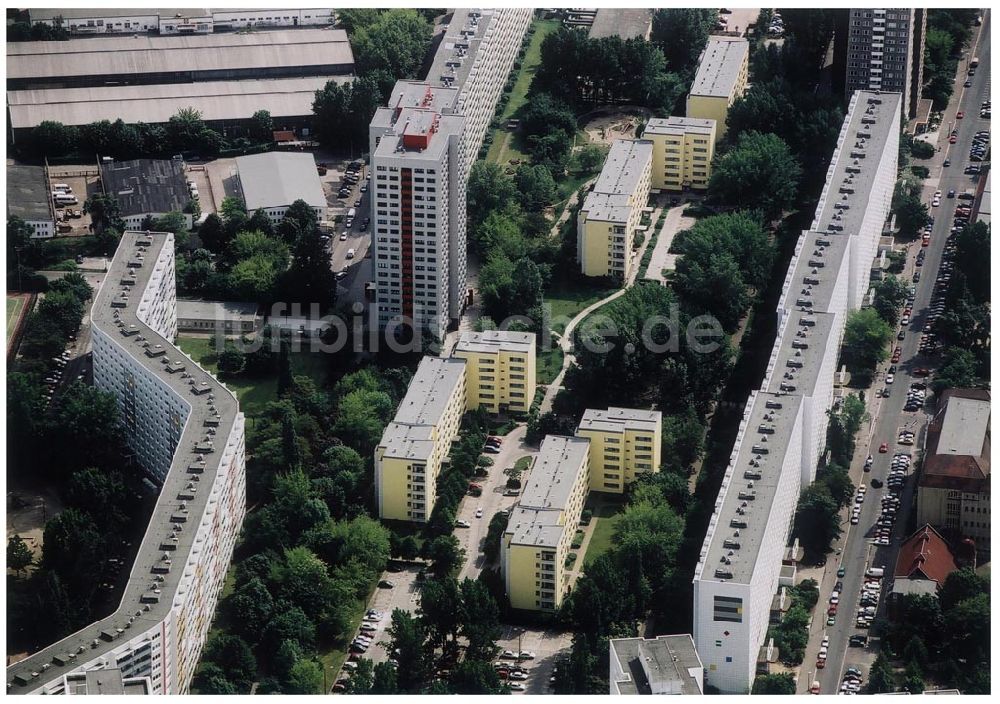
pixel 922 150
pixel 586 516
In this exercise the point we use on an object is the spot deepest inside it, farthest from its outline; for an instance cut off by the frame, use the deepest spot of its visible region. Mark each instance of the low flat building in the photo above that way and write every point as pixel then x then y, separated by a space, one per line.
pixel 662 665
pixel 723 72
pixel 500 374
pixel 542 524
pixel 29 198
pixel 185 20
pixel 147 188
pixel 607 222
pixel 953 492
pixel 108 681
pixel 631 23
pixel 224 105
pixel 683 149
pixel 624 444
pixel 408 457
pixel 132 59
pixel 273 181
pixel 218 317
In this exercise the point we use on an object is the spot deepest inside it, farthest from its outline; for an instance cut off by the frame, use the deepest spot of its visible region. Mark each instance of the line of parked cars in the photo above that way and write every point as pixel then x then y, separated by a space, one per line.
pixel 852 681
pixel 980 145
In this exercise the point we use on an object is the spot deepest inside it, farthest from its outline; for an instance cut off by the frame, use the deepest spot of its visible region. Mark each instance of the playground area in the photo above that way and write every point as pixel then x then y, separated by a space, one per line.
pixel 606 128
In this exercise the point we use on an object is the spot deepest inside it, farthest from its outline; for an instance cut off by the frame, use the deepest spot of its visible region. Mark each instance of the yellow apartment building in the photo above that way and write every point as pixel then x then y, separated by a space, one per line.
pixel 683 149
pixel 723 71
pixel 611 212
pixel 542 525
pixel 409 455
pixel 500 371
pixel 624 443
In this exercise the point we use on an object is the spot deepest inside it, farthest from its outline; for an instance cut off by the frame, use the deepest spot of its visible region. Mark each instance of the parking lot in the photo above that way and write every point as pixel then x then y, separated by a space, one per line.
pixel 512 448
pixel 547 645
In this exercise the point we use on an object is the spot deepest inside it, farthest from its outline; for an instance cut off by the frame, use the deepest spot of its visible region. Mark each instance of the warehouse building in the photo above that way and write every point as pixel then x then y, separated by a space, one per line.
pixel 187 432
pixel 273 181
pixel 607 222
pixel 224 105
pixel 29 198
pixel 96 21
pixel 663 665
pixel 723 72
pixel 146 60
pixel 147 188
pixel 783 431
pixel 632 23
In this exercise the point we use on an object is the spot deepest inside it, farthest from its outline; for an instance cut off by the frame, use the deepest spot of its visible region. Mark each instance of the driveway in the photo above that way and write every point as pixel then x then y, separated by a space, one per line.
pixel 547 645
pixel 662 259
pixel 511 449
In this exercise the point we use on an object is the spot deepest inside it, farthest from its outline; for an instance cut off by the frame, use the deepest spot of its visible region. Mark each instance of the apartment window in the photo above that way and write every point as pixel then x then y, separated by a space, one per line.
pixel 728 608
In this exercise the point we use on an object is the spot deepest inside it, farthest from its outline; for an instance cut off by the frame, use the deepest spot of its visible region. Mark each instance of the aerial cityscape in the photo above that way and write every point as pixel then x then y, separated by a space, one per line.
pixel 513 350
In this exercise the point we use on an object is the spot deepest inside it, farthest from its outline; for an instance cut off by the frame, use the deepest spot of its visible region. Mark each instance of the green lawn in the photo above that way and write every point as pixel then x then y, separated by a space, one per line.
pixel 568 297
pixel 532 57
pixel 606 516
pixel 548 364
pixel 14 306
pixel 254 393
pixel 503 149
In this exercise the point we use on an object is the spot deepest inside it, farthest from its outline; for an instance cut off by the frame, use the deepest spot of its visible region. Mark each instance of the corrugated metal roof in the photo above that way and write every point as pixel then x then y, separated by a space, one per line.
pixel 277 179
pixel 216 100
pixel 127 54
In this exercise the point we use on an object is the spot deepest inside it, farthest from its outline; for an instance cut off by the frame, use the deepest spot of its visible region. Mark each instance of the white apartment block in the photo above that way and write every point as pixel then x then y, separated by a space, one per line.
pixel 435 129
pixel 783 432
pixel 188 434
pixel 607 222
pixel 885 52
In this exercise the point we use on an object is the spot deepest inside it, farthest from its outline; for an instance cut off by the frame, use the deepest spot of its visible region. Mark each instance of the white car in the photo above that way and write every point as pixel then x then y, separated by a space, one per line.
pixel 889 378
pixel 518 676
pixel 479 512
pixel 462 523
pixel 516 686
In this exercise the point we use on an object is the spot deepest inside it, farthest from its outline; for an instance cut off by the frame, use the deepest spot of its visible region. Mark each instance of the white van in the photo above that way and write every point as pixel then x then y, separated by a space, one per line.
pixel 66 199
pixel 350 253
pixel 63 187
pixel 351 213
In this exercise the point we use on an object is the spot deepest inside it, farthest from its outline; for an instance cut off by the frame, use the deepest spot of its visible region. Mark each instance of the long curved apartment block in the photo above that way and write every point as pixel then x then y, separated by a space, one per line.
pixel 187 432
pixel 783 431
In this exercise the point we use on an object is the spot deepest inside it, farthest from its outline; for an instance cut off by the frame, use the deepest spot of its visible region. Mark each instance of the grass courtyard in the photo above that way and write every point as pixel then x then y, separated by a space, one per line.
pixel 254 393
pixel 569 297
pixel 607 513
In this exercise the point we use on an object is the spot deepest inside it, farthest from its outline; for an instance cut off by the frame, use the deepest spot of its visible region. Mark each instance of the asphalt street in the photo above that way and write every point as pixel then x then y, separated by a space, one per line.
pixel 888 415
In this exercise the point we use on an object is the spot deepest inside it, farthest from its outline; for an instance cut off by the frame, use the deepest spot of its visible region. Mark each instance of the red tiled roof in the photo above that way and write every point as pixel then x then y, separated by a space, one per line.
pixel 968 473
pixel 925 555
